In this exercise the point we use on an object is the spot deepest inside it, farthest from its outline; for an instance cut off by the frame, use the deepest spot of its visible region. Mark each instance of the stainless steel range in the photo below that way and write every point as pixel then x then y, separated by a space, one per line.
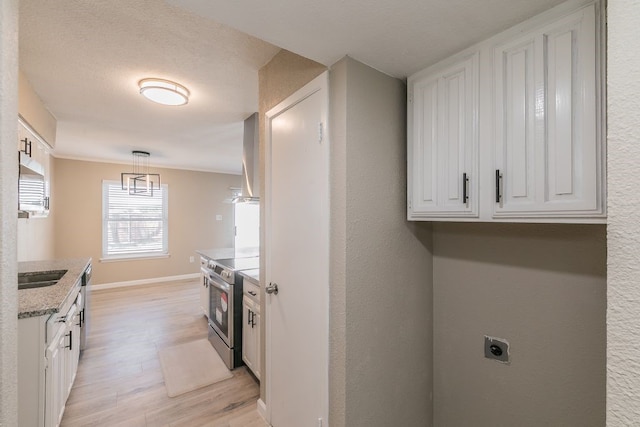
pixel 225 321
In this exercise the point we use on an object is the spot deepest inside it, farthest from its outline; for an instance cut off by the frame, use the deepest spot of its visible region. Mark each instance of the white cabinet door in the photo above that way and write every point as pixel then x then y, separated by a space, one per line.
pixel 251 331
pixel 443 141
pixel 35 147
pixel 55 378
pixel 256 342
pixel 74 350
pixel 547 145
pixel 204 295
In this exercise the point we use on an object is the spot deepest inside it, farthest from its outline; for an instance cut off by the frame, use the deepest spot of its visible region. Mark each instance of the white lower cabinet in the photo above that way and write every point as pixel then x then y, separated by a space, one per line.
pixel 56 378
pixel 539 117
pixel 48 356
pixel 251 328
pixel 204 289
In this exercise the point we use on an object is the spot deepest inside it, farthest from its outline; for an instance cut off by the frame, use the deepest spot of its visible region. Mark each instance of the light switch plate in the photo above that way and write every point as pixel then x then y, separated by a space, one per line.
pixel 218 217
pixel 496 349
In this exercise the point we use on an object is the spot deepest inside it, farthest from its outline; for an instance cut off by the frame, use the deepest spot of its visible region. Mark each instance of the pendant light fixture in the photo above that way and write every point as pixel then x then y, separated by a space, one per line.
pixel 140 182
pixel 163 91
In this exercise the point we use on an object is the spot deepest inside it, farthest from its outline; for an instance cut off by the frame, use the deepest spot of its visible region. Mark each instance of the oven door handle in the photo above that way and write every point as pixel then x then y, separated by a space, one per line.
pixel 218 283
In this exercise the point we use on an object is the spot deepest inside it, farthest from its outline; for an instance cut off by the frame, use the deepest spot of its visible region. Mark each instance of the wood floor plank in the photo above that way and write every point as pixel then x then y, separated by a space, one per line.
pixel 119 380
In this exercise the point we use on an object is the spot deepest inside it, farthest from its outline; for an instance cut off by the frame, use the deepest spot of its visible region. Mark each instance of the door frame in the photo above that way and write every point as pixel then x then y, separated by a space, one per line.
pixel 318 84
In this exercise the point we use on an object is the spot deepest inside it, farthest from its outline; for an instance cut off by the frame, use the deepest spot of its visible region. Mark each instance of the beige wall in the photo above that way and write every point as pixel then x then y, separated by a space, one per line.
pixel 623 271
pixel 195 198
pixel 8 212
pixel 281 77
pixel 381 289
pixel 35 235
pixel 543 289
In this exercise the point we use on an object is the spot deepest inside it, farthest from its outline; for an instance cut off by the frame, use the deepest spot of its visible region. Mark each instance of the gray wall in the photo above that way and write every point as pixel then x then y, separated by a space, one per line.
pixel 381 290
pixel 8 212
pixel 543 288
pixel 623 274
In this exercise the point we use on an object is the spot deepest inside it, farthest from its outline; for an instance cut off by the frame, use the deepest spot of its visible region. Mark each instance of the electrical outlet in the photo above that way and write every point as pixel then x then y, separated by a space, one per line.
pixel 191 259
pixel 496 348
pixel 218 217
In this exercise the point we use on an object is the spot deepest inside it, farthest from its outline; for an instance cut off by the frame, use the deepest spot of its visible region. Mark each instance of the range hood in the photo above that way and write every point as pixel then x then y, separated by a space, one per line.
pixel 250 162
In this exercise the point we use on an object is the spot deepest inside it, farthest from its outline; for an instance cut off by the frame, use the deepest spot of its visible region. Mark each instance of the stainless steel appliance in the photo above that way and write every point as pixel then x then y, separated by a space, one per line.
pixel 225 309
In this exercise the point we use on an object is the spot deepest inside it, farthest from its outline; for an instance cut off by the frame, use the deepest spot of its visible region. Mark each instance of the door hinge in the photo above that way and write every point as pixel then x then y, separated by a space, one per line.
pixel 320 132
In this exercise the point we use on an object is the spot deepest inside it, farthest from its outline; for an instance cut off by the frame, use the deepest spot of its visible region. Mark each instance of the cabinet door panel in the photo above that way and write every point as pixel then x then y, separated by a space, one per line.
pixel 425 146
pixel 256 342
pixel 571 110
pixel 443 141
pixel 454 161
pixel 248 346
pixel 519 89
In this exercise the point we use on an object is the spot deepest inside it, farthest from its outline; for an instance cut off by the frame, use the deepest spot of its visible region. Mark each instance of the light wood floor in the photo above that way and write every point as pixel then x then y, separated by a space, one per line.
pixel 119 380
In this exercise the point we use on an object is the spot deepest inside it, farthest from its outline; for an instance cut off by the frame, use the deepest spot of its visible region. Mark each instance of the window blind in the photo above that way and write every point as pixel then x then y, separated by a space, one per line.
pixel 133 224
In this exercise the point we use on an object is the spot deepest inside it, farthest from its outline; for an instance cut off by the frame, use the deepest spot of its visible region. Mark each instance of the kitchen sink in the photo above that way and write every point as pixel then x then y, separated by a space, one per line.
pixel 39 279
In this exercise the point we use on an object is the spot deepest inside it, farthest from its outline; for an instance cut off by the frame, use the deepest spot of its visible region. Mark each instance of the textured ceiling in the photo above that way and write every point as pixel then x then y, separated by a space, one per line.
pixel 85 57
pixel 398 37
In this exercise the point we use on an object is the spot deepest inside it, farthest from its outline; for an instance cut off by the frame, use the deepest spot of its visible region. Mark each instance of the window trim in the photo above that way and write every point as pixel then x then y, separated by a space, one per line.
pixel 140 255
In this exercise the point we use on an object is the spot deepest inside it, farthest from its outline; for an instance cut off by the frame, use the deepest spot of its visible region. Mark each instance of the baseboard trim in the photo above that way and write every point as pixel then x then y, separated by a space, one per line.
pixel 262 410
pixel 103 286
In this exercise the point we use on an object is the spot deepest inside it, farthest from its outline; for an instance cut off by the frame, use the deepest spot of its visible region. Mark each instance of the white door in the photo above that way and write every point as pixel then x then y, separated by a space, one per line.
pixel 297 258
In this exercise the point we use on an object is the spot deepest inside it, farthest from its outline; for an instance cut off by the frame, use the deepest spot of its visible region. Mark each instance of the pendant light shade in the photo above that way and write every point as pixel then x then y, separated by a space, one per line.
pixel 164 92
pixel 140 182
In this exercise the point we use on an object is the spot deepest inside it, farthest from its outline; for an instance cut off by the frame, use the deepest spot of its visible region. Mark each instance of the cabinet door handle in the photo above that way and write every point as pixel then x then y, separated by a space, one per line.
pixel 70 346
pixel 252 293
pixel 465 183
pixel 253 318
pixel 498 179
pixel 27 146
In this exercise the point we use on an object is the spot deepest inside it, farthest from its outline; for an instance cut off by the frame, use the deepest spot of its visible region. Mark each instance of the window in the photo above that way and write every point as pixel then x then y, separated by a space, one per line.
pixel 133 226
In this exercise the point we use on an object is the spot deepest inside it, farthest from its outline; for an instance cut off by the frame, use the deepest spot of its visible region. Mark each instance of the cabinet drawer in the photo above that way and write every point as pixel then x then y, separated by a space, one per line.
pixel 251 291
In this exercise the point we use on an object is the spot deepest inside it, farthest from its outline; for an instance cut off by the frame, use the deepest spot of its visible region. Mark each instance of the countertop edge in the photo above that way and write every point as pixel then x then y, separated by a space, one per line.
pixel 45 301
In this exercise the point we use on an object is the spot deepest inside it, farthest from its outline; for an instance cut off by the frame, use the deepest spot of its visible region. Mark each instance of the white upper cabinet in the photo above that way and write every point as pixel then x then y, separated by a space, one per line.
pixel 535 117
pixel 444 140
pixel 547 145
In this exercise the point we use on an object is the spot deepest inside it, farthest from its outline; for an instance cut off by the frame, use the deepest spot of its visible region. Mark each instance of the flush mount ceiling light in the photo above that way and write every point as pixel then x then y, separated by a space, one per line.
pixel 140 182
pixel 163 91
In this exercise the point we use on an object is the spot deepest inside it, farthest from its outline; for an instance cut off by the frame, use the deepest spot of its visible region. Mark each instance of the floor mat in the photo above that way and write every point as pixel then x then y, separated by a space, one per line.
pixel 190 366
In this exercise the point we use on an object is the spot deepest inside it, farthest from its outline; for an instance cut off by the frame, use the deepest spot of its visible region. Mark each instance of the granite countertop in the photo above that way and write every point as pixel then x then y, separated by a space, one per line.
pixel 227 253
pixel 48 300
pixel 218 253
pixel 252 276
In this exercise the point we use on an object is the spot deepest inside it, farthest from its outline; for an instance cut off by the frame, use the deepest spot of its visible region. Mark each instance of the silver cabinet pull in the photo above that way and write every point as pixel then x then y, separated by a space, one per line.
pixel 272 289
